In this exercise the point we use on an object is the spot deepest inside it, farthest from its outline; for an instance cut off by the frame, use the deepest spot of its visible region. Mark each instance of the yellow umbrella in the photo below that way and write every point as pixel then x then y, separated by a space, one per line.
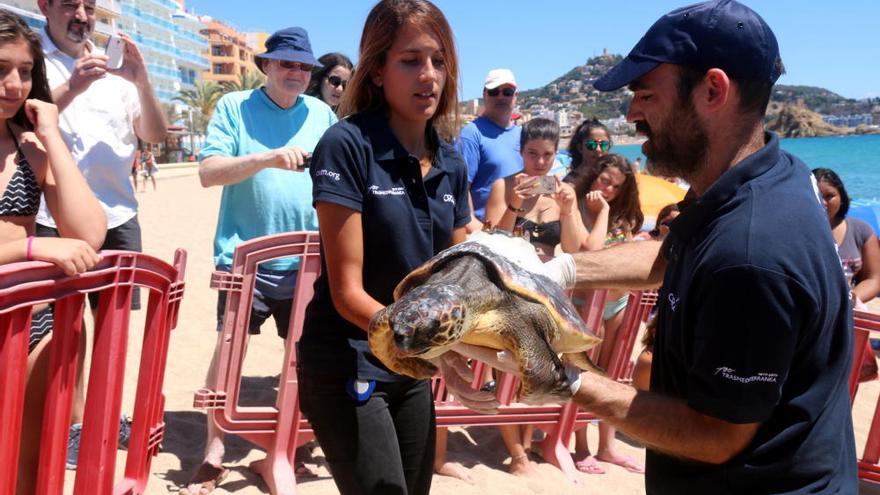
pixel 655 193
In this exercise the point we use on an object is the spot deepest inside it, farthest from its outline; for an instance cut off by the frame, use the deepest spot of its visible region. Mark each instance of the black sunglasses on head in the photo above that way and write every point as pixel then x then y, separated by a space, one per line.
pixel 508 92
pixel 336 81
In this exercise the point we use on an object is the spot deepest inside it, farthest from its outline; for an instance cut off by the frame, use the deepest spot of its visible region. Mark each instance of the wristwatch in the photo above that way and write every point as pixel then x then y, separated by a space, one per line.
pixel 515 210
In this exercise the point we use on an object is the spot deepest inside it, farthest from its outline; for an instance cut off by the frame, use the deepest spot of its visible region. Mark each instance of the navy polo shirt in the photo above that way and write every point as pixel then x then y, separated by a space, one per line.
pixel 755 327
pixel 406 220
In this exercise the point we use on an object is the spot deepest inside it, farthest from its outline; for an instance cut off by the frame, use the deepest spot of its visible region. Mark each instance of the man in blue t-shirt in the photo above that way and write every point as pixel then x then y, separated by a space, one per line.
pixel 753 345
pixel 257 147
pixel 490 144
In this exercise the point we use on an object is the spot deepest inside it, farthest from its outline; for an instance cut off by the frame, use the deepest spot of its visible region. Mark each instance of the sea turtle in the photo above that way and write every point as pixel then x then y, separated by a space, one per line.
pixel 486 291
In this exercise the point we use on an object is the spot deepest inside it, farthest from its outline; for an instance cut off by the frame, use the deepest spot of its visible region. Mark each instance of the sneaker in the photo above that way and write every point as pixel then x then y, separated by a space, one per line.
pixel 73 445
pixel 75 433
pixel 124 432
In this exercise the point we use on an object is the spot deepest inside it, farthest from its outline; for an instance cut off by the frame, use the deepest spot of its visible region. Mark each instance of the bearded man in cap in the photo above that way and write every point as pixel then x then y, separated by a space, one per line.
pixel 257 146
pixel 753 345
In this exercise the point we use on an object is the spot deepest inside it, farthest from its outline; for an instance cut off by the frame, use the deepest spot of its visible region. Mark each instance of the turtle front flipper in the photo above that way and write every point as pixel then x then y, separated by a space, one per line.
pixel 381 338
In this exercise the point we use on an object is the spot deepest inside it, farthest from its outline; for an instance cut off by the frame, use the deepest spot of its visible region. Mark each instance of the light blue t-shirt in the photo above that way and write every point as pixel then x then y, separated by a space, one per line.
pixel 271 201
pixel 491 152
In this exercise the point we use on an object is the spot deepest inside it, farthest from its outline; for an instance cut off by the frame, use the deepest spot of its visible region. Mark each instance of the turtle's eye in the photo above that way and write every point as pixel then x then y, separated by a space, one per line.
pixel 455 313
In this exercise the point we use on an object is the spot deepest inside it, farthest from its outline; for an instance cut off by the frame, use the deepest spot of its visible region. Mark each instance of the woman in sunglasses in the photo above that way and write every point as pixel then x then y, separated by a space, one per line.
pixel 590 141
pixel 330 78
pixel 608 199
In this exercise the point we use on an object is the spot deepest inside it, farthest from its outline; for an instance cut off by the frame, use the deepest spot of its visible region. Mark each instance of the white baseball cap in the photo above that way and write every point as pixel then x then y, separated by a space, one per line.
pixel 499 77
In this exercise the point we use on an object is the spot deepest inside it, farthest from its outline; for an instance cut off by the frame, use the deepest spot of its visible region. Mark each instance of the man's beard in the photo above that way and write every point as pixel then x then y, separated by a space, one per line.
pixel 678 148
pixel 77 36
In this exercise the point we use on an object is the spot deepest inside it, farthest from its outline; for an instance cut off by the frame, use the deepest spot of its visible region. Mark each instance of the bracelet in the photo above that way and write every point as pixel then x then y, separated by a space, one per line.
pixel 30 243
pixel 515 210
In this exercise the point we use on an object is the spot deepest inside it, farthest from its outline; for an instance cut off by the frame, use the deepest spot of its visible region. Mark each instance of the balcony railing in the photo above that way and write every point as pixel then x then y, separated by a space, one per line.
pixel 110 6
pixel 105 28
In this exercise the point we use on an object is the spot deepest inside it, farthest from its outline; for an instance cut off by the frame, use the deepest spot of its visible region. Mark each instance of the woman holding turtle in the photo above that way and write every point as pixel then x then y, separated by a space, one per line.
pixel 386 172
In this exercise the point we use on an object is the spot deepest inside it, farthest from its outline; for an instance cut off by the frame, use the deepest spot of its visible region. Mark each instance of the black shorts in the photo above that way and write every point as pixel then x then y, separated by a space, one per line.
pixel 262 307
pixel 126 237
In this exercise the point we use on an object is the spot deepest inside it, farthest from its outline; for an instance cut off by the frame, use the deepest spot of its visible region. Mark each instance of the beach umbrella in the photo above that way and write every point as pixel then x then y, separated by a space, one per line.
pixel 868 213
pixel 654 194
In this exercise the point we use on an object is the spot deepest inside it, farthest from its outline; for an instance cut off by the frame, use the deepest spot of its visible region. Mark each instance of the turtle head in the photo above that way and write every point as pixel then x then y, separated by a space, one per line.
pixel 428 319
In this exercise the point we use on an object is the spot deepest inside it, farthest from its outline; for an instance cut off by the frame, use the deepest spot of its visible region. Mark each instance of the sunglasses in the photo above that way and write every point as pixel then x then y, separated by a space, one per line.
pixel 336 82
pixel 592 145
pixel 286 64
pixel 508 92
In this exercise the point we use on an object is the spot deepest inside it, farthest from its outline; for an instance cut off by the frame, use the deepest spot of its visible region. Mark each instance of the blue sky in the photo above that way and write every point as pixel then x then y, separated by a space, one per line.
pixel 835 45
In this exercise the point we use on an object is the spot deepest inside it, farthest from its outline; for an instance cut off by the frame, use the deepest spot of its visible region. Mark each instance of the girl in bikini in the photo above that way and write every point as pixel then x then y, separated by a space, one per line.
pixel 35 159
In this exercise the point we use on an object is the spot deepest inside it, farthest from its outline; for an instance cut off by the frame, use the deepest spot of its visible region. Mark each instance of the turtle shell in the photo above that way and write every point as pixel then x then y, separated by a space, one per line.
pixel 512 274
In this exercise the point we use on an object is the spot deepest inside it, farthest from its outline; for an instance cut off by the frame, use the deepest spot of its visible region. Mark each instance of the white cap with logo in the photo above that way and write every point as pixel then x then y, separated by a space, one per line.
pixel 499 77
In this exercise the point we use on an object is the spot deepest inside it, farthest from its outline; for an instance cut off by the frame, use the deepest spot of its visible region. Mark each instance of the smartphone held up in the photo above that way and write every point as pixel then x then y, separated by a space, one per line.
pixel 114 51
pixel 546 184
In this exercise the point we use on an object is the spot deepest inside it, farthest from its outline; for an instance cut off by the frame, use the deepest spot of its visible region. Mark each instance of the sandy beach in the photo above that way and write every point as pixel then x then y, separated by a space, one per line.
pixel 183 214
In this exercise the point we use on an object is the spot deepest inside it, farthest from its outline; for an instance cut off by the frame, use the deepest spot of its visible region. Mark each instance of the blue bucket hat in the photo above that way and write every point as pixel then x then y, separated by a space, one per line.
pixel 722 34
pixel 290 44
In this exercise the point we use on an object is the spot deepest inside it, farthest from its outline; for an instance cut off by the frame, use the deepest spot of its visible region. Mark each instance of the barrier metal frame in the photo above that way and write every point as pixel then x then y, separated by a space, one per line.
pixel 23 285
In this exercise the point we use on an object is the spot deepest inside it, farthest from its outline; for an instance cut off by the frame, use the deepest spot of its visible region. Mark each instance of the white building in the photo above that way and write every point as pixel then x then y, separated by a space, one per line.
pixel 167 36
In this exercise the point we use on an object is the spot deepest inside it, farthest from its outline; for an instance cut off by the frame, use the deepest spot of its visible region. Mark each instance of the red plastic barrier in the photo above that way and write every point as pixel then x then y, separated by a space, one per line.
pixel 23 285
pixel 869 464
pixel 280 429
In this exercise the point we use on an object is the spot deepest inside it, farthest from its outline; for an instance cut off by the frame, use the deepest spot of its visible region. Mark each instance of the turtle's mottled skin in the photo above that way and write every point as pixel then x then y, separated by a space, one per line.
pixel 469 293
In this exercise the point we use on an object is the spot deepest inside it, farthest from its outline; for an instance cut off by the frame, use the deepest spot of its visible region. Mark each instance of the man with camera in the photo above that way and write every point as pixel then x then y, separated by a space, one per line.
pixel 104 111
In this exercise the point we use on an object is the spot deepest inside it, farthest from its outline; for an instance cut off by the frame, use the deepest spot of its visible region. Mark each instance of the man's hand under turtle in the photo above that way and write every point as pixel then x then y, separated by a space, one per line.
pixel 500 360
pixel 504 361
pixel 458 377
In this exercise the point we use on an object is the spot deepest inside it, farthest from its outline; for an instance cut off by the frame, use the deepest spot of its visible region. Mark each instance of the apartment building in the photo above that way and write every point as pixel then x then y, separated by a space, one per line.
pixel 168 37
pixel 230 54
pixel 170 40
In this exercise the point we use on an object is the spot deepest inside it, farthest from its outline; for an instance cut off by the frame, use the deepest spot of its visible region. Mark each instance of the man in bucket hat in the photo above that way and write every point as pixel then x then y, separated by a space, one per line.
pixel 749 375
pixel 258 143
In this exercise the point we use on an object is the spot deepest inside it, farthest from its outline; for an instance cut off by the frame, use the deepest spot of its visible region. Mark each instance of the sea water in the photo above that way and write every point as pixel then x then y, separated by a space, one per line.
pixel 855 158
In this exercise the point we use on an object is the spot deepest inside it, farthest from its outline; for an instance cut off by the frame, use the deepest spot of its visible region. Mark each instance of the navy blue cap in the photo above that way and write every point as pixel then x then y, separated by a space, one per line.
pixel 722 34
pixel 291 44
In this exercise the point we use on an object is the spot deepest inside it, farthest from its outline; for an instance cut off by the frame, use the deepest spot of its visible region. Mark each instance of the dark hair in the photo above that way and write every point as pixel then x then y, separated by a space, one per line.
pixel 831 177
pixel 754 94
pixel 383 24
pixel 580 134
pixel 663 213
pixel 329 61
pixel 539 129
pixel 12 29
pixel 626 210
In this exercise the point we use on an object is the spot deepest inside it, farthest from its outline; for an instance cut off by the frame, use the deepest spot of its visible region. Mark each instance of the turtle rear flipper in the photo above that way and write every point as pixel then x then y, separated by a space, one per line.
pixel 542 374
pixel 582 361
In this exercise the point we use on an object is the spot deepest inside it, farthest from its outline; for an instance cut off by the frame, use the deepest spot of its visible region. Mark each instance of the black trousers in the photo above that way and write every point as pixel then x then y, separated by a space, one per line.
pixel 382 445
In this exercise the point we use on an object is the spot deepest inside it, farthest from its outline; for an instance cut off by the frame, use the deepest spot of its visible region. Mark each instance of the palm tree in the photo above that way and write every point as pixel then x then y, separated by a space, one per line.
pixel 172 115
pixel 202 99
pixel 248 80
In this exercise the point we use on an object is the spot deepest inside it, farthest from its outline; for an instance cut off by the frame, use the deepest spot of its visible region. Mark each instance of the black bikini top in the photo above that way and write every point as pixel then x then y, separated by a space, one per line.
pixel 547 233
pixel 22 195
